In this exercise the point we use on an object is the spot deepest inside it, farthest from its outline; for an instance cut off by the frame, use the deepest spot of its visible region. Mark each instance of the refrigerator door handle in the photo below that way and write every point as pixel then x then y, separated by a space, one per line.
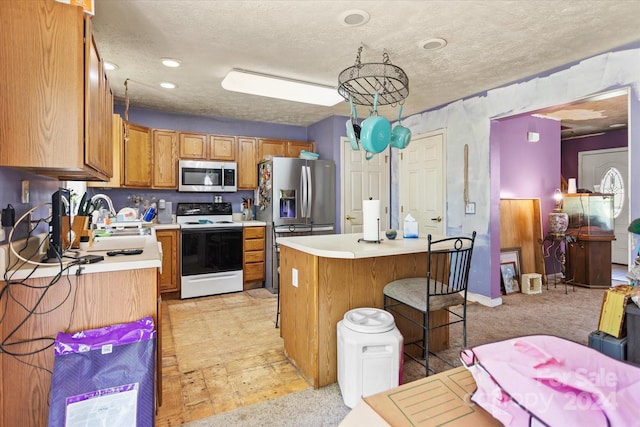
pixel 303 192
pixel 309 190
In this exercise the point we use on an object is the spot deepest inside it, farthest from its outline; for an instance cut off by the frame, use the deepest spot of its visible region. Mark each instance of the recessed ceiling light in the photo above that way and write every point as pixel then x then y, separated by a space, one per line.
pixel 354 17
pixel 433 44
pixel 110 66
pixel 168 85
pixel 170 62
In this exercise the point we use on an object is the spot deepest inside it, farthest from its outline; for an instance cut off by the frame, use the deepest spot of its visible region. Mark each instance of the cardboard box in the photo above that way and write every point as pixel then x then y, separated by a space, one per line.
pixel 612 313
pixel 441 399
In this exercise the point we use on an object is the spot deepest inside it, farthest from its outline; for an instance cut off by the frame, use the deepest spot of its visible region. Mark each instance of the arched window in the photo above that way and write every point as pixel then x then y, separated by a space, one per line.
pixel 612 183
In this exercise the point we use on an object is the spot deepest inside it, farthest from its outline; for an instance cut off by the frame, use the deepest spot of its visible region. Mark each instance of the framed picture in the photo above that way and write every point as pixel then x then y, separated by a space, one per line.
pixel 510 279
pixel 512 255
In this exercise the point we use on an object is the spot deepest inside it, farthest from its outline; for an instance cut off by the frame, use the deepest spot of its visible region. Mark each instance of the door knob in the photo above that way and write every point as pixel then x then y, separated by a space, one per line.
pixel 437 219
pixel 349 217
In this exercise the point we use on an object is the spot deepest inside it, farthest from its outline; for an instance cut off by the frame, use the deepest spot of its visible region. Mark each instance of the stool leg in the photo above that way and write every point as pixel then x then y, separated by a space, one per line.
pixel 278 308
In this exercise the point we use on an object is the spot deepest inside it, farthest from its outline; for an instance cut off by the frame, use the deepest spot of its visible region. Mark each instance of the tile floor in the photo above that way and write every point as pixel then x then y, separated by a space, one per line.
pixel 221 353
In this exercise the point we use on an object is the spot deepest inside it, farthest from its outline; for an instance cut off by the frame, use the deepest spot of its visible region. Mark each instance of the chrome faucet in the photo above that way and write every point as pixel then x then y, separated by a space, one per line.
pixel 106 199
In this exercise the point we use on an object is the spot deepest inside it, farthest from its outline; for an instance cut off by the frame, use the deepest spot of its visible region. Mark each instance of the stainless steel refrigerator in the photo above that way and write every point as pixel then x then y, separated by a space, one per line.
pixel 294 196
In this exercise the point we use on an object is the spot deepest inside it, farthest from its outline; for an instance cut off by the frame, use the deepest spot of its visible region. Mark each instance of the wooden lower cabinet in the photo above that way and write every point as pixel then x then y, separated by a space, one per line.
pixel 169 278
pixel 253 257
pixel 589 262
pixel 77 303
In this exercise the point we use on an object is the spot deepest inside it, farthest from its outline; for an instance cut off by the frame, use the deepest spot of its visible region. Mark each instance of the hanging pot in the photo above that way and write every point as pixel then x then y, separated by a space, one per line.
pixel 400 135
pixel 376 131
pixel 352 133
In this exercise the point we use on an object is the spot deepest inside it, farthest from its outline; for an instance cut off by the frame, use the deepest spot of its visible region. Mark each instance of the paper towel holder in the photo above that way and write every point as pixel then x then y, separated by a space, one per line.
pixel 378 240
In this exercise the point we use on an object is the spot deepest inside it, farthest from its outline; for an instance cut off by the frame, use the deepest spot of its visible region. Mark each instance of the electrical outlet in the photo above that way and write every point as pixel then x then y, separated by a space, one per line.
pixel 25 191
pixel 294 277
pixel 470 209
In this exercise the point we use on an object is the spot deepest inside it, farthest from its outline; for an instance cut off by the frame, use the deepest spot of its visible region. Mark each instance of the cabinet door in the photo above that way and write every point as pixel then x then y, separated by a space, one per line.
pixel 222 147
pixel 268 148
pixel 137 157
pixel 247 163
pixel 295 147
pixel 165 159
pixel 193 146
pixel 169 278
pixel 116 136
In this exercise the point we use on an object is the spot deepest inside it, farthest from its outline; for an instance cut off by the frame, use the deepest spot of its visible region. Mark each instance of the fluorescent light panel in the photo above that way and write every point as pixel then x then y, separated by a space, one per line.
pixel 280 88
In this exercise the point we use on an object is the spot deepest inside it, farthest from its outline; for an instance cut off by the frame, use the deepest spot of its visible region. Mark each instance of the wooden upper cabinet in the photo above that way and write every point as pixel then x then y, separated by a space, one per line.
pixel 51 106
pixel 268 148
pixel 117 138
pixel 295 147
pixel 247 163
pixel 165 159
pixel 222 147
pixel 137 154
pixel 193 146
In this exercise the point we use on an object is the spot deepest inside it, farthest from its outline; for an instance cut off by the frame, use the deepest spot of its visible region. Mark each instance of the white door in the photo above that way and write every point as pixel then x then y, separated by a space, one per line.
pixel 422 181
pixel 361 179
pixel 608 168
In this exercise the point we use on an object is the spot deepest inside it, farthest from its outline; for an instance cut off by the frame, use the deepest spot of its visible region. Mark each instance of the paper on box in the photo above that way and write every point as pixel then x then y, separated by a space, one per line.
pixel 410 229
pixel 441 399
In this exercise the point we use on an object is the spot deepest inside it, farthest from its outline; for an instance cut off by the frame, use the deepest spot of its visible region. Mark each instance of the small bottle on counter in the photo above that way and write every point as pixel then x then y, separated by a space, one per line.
pixel 84 243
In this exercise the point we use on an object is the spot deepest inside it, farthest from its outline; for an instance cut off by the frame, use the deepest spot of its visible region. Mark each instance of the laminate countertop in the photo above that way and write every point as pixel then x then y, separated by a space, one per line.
pixel 347 246
pixel 149 258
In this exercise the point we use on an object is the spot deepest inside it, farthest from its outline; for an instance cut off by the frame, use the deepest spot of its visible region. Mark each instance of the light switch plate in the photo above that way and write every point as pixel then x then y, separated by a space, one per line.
pixel 294 277
pixel 470 209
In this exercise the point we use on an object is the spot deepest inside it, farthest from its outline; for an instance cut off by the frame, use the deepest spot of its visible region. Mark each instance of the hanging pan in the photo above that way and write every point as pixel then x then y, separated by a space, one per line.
pixel 353 128
pixel 400 135
pixel 376 131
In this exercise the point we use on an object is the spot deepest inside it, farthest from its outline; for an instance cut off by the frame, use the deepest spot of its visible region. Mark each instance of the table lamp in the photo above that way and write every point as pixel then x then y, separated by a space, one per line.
pixel 558 219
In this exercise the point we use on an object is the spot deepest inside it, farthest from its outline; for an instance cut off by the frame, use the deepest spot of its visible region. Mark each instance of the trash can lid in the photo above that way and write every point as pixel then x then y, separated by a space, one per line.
pixel 369 320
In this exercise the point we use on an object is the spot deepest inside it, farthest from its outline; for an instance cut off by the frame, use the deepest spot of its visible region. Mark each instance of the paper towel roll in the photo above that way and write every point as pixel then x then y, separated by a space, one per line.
pixel 370 219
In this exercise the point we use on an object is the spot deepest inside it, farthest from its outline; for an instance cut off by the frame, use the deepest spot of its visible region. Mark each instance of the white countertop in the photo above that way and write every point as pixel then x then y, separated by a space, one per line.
pixel 149 258
pixel 347 246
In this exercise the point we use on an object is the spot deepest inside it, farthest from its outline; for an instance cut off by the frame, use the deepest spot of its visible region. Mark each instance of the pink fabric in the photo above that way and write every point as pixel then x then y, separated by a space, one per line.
pixel 560 382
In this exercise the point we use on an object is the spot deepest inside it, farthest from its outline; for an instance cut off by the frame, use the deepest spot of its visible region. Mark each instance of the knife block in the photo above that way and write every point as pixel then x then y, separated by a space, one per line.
pixel 80 227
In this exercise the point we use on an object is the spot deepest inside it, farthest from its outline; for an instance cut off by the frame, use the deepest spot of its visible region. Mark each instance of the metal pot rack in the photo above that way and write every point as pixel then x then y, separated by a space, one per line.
pixel 360 82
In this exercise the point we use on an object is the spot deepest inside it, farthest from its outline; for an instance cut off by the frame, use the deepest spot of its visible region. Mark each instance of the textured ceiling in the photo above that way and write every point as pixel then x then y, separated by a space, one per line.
pixel 490 43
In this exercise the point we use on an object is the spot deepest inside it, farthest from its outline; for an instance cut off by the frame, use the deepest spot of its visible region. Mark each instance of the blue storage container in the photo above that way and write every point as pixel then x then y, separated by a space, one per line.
pixel 609 345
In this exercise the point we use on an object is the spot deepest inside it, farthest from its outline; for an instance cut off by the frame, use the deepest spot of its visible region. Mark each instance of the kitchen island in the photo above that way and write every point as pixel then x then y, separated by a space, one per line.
pixel 322 277
pixel 119 289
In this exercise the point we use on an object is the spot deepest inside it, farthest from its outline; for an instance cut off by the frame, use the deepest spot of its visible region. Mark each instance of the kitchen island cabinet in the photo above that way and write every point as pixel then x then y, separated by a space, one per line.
pixel 117 290
pixel 334 274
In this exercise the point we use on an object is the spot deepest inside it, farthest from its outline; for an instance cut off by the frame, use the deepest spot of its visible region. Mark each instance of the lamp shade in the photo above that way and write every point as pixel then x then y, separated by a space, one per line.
pixel 634 227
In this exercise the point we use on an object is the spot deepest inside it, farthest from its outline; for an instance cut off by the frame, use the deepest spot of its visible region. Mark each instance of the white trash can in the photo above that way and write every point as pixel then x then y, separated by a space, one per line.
pixel 369 354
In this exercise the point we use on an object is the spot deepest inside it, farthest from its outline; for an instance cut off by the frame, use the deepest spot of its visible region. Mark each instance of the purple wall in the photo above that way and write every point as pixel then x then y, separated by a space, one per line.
pixel 528 170
pixel 571 147
pixel 204 124
pixel 326 134
pixel 40 191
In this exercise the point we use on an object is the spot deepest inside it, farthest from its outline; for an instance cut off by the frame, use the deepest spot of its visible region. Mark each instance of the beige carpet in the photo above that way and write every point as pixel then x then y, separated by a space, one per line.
pixel 572 315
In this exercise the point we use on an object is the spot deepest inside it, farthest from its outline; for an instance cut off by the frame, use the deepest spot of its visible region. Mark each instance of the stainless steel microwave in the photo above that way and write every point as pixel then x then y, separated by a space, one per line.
pixel 207 176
